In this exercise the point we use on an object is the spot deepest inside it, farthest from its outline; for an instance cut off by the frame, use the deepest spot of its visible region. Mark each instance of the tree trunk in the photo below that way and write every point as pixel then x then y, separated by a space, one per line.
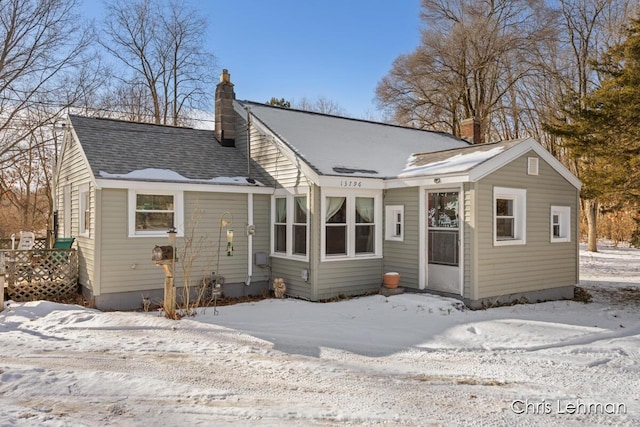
pixel 591 212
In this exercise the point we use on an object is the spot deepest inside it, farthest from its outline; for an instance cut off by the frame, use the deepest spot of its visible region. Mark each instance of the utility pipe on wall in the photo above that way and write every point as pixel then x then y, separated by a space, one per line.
pixel 249 238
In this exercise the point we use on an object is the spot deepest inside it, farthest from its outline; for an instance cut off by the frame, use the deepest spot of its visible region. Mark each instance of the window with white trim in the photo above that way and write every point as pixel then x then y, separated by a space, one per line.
pixel 153 213
pixel 85 210
pixel 394 222
pixel 560 224
pixel 351 225
pixel 300 215
pixel 290 225
pixel 509 216
pixel 280 226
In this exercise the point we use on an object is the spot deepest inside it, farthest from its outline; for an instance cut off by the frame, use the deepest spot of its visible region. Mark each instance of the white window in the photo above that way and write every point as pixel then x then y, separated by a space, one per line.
pixel 560 224
pixel 290 226
pixel 85 210
pixel 351 225
pixel 280 226
pixel 509 216
pixel 153 213
pixel 394 223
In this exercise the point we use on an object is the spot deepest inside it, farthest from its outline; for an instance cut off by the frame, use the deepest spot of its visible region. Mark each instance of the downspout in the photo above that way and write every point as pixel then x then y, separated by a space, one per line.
pixel 250 228
pixel 249 238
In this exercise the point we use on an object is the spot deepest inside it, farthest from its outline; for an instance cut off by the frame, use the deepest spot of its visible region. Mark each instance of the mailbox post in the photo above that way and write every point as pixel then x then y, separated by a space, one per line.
pixel 165 256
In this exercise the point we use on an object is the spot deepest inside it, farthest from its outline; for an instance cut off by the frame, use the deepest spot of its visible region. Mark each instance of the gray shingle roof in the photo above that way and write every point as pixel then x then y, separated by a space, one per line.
pixel 115 147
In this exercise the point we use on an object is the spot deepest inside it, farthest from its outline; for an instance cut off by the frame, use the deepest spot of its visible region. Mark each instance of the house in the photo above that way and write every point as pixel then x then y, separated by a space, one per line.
pixel 328 203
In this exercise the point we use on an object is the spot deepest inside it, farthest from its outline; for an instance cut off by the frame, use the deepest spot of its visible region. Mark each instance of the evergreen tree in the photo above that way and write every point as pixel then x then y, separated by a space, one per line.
pixel 602 131
pixel 279 102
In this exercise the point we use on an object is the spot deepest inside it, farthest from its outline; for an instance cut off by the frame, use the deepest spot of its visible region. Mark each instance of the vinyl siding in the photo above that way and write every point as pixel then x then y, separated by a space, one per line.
pixel 470 264
pixel 403 257
pixel 261 219
pixel 75 173
pixel 290 270
pixel 126 262
pixel 352 277
pixel 268 157
pixel 539 264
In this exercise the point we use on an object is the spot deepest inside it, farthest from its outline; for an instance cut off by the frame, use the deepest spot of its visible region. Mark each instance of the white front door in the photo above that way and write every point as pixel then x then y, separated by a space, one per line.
pixel 443 241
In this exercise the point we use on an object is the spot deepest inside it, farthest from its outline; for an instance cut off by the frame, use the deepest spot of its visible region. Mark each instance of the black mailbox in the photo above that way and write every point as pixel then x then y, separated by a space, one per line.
pixel 162 253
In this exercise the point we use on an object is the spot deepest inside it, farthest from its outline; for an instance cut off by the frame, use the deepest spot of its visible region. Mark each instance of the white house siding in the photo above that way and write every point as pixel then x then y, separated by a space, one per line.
pixel 538 264
pixel 126 261
pixel 403 257
pixel 75 173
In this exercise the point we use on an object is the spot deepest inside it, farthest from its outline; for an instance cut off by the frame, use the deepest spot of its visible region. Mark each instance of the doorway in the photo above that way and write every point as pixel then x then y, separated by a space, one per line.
pixel 443 241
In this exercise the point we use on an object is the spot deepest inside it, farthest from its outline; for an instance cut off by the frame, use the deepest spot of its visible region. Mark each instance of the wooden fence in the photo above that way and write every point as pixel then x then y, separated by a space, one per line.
pixel 49 274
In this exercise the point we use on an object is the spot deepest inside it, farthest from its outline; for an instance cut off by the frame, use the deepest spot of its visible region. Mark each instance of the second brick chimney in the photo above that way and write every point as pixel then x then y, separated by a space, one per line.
pixel 225 116
pixel 470 130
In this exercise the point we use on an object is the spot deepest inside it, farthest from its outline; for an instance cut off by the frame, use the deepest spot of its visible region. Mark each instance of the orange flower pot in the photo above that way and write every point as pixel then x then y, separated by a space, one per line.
pixel 391 280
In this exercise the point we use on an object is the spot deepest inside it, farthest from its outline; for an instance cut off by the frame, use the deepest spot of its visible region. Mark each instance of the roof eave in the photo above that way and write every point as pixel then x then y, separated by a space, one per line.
pixel 129 184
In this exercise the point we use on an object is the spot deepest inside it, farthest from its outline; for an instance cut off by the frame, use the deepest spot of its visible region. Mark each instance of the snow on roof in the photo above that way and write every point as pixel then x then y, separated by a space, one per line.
pixel 151 174
pixel 457 163
pixel 453 161
pixel 337 146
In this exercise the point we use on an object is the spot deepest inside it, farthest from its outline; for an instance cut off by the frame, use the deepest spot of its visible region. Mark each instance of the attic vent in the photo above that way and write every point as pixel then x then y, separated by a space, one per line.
pixel 532 166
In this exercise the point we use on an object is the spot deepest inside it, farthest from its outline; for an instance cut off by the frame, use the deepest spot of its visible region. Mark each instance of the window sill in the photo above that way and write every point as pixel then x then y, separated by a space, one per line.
pixel 282 255
pixel 155 235
pixel 328 258
pixel 508 242
pixel 561 240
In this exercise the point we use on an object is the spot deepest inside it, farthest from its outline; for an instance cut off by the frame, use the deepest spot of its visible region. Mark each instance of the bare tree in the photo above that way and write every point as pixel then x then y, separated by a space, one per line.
pixel 471 56
pixel 161 44
pixel 321 104
pixel 590 28
pixel 41 43
pixel 43 47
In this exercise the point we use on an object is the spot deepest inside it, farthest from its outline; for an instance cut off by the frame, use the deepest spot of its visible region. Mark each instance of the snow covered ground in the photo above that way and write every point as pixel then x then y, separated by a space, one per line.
pixel 410 359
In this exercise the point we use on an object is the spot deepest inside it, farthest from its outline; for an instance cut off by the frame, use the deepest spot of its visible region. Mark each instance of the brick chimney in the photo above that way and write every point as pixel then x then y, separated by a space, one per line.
pixel 225 116
pixel 470 130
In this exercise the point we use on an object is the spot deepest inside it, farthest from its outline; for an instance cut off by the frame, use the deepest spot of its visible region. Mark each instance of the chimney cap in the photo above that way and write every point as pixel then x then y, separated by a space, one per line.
pixel 225 77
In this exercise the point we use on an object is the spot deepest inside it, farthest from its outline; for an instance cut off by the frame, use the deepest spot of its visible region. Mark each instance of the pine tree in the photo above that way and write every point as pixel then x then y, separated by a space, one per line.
pixel 602 131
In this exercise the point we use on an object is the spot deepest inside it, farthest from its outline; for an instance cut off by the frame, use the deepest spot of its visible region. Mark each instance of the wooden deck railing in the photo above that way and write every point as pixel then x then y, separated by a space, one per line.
pixel 49 274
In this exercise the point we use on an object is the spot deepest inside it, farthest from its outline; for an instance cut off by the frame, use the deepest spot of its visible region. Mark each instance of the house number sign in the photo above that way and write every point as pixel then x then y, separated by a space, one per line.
pixel 350 183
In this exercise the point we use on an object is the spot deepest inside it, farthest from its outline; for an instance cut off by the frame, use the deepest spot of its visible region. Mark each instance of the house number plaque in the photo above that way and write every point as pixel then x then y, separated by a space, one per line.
pixel 350 183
